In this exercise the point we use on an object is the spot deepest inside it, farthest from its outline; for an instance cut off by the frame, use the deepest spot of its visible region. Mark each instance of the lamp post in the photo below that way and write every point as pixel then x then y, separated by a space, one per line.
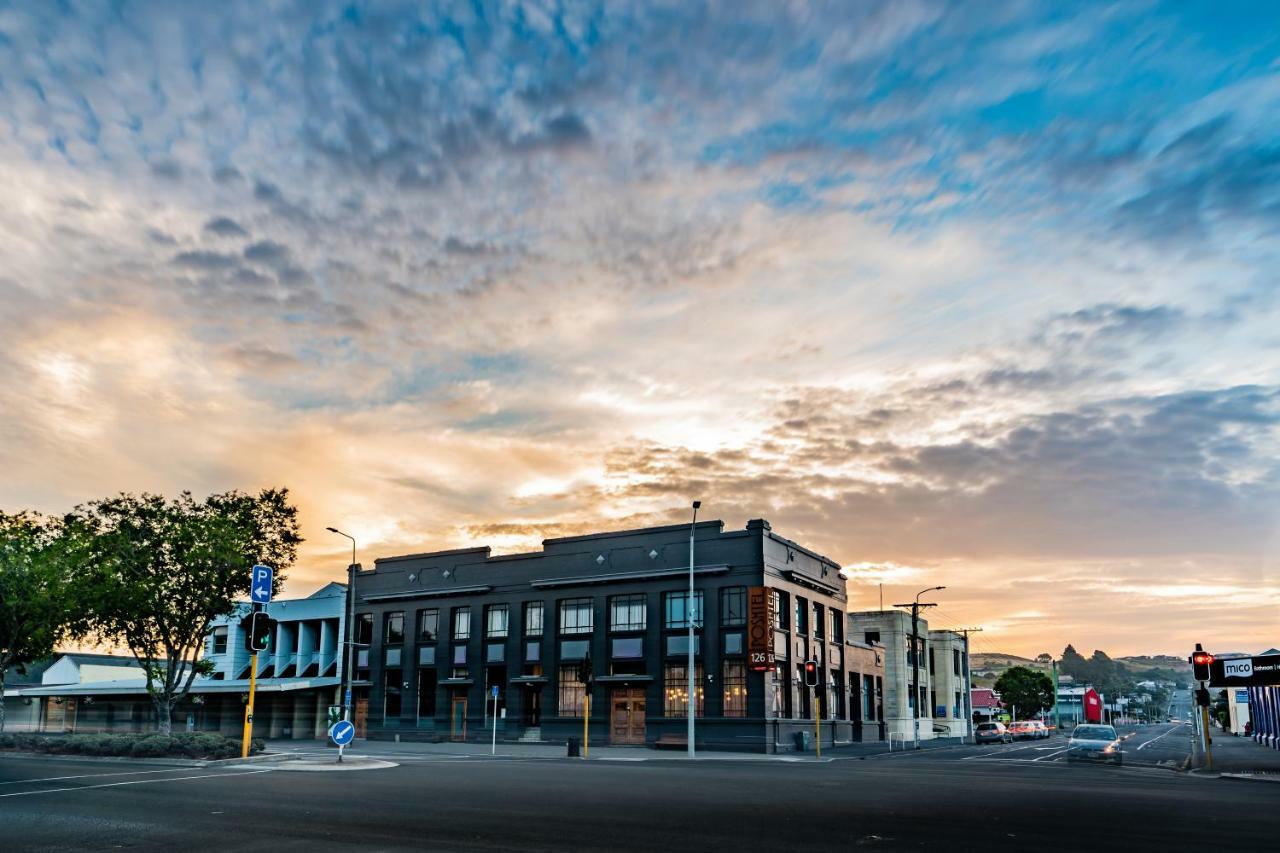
pixel 915 659
pixel 351 630
pixel 689 614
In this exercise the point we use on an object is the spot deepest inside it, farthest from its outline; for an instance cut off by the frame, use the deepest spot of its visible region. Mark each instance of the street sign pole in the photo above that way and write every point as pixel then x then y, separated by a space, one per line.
pixel 493 746
pixel 817 719
pixel 248 709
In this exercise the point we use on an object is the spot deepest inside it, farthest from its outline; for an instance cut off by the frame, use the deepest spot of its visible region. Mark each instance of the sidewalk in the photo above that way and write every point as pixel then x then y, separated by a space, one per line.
pixel 1239 756
pixel 391 749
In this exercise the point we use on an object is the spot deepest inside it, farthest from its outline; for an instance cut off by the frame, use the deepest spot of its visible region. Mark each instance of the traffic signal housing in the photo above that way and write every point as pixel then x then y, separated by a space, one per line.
pixel 1200 662
pixel 585 673
pixel 257 627
pixel 811 673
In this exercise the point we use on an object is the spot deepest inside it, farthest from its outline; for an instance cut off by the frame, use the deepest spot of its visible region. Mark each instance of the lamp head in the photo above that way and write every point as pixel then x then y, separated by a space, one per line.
pixel 332 529
pixel 697 504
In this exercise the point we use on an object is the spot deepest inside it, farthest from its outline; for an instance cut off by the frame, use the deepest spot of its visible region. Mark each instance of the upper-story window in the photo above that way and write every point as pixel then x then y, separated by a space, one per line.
pixel 533 618
pixel 955 661
pixel 733 606
pixel 819 619
pixel 364 629
pixel 576 616
pixel 676 609
pixel 462 623
pixel 393 628
pixel 627 612
pixel 495 623
pixel 428 625
pixel 802 616
pixel 220 640
pixel 837 626
pixel 781 615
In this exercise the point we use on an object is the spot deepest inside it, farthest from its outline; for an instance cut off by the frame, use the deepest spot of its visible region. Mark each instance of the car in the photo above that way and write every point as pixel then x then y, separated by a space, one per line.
pixel 1093 742
pixel 1023 730
pixel 991 733
pixel 1042 731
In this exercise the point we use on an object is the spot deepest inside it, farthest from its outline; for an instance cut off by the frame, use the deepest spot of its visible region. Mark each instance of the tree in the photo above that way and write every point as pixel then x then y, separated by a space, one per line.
pixel 1028 690
pixel 34 612
pixel 158 571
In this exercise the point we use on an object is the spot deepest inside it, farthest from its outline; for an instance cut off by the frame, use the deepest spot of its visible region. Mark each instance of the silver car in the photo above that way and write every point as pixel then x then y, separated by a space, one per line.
pixel 1095 743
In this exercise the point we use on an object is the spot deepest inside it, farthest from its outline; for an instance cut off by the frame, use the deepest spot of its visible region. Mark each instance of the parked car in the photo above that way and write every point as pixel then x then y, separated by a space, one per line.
pixel 991 733
pixel 1094 742
pixel 1042 731
pixel 1023 730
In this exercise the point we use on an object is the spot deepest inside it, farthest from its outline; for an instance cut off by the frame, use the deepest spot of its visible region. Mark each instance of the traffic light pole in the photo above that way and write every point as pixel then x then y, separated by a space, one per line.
pixel 817 719
pixel 248 709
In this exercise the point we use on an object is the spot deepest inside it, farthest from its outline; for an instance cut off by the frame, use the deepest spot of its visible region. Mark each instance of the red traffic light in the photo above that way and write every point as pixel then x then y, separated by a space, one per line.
pixel 1202 659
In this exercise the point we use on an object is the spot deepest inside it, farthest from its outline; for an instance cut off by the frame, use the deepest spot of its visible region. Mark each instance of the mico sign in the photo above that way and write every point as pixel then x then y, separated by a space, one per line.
pixel 1245 672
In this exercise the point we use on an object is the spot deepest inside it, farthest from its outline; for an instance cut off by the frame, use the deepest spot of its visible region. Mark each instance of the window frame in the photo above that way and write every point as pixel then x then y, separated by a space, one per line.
pixel 733 704
pixel 219 633
pixel 733 599
pixel 434 620
pixel 388 619
pixel 577 606
pixel 570 692
pixel 529 608
pixel 492 610
pixel 463 610
pixel 682 624
pixel 675 690
pixel 630 601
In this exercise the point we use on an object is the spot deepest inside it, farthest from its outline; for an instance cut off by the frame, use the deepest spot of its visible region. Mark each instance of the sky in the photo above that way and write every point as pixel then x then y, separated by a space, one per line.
pixel 982 294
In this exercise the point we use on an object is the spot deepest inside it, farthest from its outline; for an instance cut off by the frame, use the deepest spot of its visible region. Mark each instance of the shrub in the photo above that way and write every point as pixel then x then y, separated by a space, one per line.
pixel 152 746
pixel 6 741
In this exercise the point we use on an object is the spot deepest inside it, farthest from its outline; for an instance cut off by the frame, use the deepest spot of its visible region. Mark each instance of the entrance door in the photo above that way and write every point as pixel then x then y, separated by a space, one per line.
pixel 361 716
pixel 458 719
pixel 531 717
pixel 626 716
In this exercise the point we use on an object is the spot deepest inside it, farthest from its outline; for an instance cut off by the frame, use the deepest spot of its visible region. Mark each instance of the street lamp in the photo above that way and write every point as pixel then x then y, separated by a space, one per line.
pixel 689 614
pixel 915 658
pixel 351 629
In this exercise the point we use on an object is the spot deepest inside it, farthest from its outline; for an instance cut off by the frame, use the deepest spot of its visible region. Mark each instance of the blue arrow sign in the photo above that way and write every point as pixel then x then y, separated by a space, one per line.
pixel 260 584
pixel 342 732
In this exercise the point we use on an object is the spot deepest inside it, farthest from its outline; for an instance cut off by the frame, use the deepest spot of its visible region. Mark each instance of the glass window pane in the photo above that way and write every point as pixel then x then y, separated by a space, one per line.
pixel 533 650
pixel 734 684
pixel 428 625
pixel 733 606
pixel 393 657
pixel 675 609
pixel 459 655
pixel 627 612
pixel 571 692
pixel 733 643
pixel 675 696
pixel 462 623
pixel 495 653
pixel 533 619
pixel 393 628
pixel 574 649
pixel 496 620
pixel 576 616
pixel 678 645
pixel 628 647
pixel 426 655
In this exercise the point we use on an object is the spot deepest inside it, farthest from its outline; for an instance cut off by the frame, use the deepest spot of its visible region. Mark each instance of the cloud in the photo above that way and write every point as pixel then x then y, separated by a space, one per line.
pixel 204 260
pixel 223 226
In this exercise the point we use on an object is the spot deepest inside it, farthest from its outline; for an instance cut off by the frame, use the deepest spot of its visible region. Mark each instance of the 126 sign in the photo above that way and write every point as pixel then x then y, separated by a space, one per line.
pixel 761 613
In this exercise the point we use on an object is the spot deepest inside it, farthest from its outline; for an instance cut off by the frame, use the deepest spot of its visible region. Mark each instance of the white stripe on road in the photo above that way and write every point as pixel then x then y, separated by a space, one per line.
pixel 134 782
pixel 92 775
pixel 1154 739
pixel 1052 754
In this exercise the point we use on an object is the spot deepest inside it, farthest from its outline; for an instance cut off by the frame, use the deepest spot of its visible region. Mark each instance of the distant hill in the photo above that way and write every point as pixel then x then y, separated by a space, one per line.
pixel 1141 662
pixel 998 661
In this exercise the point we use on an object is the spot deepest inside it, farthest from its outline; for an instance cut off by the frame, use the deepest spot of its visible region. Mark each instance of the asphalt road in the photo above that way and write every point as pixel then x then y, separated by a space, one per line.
pixel 1164 746
pixel 954 799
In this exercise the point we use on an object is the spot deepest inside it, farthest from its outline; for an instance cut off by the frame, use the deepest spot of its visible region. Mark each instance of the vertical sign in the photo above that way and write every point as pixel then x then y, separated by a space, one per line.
pixel 761 614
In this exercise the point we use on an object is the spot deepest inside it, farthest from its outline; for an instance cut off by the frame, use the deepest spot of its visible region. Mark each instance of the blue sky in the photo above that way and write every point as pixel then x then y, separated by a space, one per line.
pixel 977 294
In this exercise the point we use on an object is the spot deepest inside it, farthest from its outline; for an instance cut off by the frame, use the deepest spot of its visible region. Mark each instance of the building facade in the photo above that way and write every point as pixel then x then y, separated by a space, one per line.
pixel 948 683
pixel 902 705
pixel 453 643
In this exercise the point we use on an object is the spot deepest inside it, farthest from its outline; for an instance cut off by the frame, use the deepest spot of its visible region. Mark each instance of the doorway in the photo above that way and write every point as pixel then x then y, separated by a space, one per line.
pixel 626 716
pixel 531 715
pixel 458 719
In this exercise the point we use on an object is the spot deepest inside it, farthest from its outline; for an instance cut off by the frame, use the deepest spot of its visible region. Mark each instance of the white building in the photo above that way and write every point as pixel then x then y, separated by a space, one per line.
pixel 892 629
pixel 949 684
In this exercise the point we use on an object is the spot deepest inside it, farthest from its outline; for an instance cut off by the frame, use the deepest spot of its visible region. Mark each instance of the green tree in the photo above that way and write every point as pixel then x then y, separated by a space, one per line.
pixel 34 611
pixel 158 571
pixel 1028 690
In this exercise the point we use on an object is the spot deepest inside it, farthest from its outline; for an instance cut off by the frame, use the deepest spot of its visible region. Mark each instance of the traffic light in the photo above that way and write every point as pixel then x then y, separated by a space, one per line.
pixel 811 673
pixel 1200 664
pixel 1202 697
pixel 257 627
pixel 584 672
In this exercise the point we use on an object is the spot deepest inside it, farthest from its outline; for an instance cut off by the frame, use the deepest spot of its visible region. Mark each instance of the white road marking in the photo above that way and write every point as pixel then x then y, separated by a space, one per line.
pixel 1052 754
pixel 134 782
pixel 91 775
pixel 1157 737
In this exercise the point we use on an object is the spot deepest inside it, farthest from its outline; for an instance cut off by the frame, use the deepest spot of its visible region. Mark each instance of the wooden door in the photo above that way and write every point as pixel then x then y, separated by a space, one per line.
pixel 361 716
pixel 626 716
pixel 458 719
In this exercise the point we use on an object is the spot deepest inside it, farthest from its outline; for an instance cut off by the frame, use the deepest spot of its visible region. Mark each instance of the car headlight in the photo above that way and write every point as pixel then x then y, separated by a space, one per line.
pixel 1111 747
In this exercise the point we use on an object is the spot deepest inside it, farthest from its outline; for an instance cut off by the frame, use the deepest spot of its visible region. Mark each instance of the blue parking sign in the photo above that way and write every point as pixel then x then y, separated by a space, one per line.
pixel 260 584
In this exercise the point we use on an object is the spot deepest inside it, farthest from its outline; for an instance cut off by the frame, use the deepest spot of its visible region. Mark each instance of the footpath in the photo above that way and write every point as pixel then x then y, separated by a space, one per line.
pixel 1238 757
pixel 390 750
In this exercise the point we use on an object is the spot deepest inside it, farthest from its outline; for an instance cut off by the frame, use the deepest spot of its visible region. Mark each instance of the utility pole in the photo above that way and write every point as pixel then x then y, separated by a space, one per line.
pixel 1057 721
pixel 349 671
pixel 915 659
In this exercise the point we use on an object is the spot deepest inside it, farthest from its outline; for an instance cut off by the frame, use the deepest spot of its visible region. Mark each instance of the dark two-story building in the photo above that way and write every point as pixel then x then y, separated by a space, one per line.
pixel 443 632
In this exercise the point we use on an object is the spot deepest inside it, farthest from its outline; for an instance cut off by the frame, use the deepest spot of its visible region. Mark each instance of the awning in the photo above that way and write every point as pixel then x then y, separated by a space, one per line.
pixel 138 686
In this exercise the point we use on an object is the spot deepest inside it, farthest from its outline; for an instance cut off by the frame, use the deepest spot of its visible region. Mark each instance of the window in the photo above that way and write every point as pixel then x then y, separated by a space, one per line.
pixel 837 626
pixel 574 649
pixel 802 616
pixel 872 637
pixel 364 629
pixel 462 623
pixel 575 616
pixel 533 650
pixel 955 709
pixel 428 625
pixel 955 661
pixel 819 620
pixel 391 695
pixel 734 682
pixel 392 656
pixel 733 643
pixel 572 692
pixel 495 653
pixel 459 655
pixel 495 623
pixel 781 692
pixel 931 660
pixel 220 640
pixel 533 618
pixel 733 606
pixel 678 645
pixel 676 696
pixel 627 648
pixel 426 693
pixel 627 612
pixel 426 655
pixel 393 628
pixel 781 620
pixel 677 607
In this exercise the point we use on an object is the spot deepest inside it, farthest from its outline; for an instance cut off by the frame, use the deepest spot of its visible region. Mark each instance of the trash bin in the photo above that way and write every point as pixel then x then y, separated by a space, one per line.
pixel 804 741
pixel 574 744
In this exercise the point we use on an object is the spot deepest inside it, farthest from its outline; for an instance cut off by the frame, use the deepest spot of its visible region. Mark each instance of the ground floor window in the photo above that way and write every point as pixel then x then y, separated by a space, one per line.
pixel 734 682
pixel 391 695
pixel 427 693
pixel 834 709
pixel 781 692
pixel 572 692
pixel 676 693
